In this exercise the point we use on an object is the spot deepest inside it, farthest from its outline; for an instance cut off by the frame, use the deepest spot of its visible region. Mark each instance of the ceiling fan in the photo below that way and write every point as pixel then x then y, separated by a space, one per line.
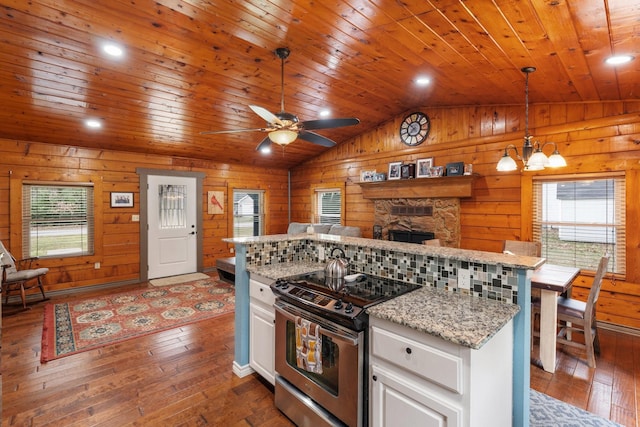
pixel 283 128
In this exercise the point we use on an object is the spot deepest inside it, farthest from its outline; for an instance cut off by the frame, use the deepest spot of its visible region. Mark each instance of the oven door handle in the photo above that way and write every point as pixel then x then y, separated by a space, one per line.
pixel 326 329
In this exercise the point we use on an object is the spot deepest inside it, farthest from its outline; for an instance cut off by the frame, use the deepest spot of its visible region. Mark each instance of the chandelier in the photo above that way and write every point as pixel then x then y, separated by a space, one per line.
pixel 532 157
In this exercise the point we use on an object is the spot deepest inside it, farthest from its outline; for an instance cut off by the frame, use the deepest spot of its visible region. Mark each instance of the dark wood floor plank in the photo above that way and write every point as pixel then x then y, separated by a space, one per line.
pixel 183 377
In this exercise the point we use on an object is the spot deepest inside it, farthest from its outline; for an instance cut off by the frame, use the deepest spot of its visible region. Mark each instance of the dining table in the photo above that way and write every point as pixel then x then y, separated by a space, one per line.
pixel 552 280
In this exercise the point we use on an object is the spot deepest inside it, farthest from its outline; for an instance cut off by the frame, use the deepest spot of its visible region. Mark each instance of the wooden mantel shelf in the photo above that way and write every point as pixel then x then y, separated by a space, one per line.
pixel 419 188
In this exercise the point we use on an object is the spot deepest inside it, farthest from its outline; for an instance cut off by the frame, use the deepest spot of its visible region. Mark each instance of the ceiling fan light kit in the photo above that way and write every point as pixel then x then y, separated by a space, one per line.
pixel 532 157
pixel 284 128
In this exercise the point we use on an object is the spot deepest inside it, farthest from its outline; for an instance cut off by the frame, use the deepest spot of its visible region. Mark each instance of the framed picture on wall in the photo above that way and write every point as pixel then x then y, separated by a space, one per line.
pixel 394 170
pixel 423 167
pixel 121 200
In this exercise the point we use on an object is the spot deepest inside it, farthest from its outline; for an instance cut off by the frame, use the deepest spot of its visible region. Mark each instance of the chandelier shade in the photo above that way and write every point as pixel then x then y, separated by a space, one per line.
pixel 283 136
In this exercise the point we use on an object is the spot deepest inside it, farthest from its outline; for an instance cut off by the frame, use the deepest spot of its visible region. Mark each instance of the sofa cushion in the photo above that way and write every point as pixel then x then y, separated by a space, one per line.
pixel 298 227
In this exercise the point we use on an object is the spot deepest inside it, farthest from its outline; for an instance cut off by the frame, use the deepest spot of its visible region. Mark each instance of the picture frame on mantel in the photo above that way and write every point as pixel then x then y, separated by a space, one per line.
pixel 455 169
pixel 394 170
pixel 423 168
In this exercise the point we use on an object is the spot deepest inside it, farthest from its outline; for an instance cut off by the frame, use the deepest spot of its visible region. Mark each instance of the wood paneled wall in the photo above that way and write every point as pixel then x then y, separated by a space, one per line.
pixel 117 237
pixel 593 137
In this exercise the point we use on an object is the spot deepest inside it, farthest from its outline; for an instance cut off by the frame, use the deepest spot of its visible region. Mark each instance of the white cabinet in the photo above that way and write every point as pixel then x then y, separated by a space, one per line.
pixel 262 329
pixel 419 379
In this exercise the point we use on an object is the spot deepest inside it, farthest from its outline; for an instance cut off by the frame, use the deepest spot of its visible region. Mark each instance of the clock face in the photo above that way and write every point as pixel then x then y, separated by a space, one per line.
pixel 415 128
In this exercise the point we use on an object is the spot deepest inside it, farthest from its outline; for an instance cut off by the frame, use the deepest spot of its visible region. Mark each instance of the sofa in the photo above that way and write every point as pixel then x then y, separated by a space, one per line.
pixel 342 230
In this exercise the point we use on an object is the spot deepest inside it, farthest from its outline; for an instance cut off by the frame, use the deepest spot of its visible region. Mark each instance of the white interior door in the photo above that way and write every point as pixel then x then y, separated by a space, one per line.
pixel 171 216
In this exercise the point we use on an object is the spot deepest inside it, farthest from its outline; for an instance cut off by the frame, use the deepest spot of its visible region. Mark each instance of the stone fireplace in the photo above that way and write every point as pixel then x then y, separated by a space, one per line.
pixel 422 205
pixel 440 216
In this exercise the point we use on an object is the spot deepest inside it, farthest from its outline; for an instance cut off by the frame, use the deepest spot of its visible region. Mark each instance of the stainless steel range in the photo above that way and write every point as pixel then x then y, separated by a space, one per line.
pixel 321 346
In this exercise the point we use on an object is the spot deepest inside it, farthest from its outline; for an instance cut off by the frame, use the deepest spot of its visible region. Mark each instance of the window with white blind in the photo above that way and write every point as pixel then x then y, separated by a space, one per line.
pixel 248 213
pixel 580 218
pixel 329 206
pixel 57 220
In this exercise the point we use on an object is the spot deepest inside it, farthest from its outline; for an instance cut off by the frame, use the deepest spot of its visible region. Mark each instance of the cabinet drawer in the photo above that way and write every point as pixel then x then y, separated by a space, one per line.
pixel 261 292
pixel 422 360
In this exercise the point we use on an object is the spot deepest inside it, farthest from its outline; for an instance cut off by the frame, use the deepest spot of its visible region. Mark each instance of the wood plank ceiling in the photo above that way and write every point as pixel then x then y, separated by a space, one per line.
pixel 196 65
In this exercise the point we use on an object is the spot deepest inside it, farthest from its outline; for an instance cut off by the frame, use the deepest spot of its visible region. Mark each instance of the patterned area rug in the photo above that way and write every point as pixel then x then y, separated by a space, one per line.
pixel 546 411
pixel 78 326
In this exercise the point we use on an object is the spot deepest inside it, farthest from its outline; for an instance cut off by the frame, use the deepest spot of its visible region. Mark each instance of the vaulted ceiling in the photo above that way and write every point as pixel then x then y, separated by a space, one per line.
pixel 196 65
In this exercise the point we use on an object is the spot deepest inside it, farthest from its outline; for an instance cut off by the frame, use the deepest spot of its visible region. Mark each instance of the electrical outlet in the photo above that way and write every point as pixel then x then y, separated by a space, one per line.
pixel 464 279
pixel 321 253
pixel 96 266
pixel 135 218
pixel 232 250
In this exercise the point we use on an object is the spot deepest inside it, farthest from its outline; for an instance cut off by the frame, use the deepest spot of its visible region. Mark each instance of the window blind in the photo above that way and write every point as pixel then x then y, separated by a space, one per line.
pixel 57 220
pixel 329 206
pixel 578 219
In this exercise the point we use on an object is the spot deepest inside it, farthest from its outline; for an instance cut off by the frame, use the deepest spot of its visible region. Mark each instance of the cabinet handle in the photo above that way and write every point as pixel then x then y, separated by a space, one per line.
pixel 375 378
pixel 408 350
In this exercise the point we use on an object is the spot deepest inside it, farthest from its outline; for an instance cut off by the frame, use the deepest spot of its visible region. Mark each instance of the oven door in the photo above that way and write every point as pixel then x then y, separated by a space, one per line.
pixel 339 388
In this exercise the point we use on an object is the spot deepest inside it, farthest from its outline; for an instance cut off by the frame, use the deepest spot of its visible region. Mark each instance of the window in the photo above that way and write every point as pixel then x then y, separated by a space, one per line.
pixel 329 206
pixel 579 219
pixel 248 213
pixel 57 220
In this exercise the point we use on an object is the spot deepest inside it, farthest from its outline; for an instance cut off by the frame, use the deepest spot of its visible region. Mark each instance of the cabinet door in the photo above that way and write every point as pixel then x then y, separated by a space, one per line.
pixel 396 400
pixel 262 341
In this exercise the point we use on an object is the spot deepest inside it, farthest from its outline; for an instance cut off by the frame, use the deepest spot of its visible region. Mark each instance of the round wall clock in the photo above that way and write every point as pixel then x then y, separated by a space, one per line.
pixel 415 128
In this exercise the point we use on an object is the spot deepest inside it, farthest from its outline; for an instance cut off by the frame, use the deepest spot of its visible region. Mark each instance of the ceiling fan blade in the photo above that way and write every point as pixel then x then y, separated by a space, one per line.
pixel 314 138
pixel 329 123
pixel 266 143
pixel 266 115
pixel 213 132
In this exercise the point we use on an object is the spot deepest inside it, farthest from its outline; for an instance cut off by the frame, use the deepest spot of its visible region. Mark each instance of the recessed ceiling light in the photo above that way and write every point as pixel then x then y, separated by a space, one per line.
pixel 93 124
pixel 423 81
pixel 266 150
pixel 113 49
pixel 325 113
pixel 618 59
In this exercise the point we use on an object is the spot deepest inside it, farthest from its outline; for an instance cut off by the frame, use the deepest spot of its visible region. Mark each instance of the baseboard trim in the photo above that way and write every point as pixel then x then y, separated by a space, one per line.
pixel 242 370
pixel 35 297
pixel 619 328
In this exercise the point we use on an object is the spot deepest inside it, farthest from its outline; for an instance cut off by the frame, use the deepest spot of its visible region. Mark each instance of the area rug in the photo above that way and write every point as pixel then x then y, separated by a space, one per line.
pixel 545 411
pixel 82 325
pixel 174 280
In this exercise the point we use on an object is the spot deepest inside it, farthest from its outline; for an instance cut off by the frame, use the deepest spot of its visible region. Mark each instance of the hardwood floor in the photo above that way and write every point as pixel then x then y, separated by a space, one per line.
pixel 180 377
pixel 183 377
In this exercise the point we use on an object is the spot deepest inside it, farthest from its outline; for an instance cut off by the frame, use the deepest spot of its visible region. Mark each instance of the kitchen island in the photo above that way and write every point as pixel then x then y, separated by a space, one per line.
pixel 490 277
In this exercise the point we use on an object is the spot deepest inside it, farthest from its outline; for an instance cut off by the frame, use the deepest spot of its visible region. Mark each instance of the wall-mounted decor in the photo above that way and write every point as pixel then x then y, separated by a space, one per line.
pixel 394 170
pixel 423 169
pixel 454 169
pixel 367 176
pixel 121 200
pixel 215 202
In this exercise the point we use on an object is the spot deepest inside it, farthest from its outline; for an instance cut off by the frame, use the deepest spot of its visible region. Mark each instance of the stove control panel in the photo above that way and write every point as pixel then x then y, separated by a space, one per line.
pixel 332 306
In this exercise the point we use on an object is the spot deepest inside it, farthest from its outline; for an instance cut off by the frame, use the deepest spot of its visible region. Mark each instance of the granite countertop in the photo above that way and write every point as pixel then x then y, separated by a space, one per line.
pixel 461 319
pixel 285 269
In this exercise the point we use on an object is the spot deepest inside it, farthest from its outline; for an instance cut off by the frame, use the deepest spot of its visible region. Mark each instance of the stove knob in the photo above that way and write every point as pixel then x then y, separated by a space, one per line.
pixel 348 308
pixel 338 305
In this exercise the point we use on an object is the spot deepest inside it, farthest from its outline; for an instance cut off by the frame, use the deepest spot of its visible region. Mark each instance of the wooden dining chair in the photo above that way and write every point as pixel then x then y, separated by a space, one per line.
pixel 517 247
pixel 18 276
pixel 432 242
pixel 579 316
